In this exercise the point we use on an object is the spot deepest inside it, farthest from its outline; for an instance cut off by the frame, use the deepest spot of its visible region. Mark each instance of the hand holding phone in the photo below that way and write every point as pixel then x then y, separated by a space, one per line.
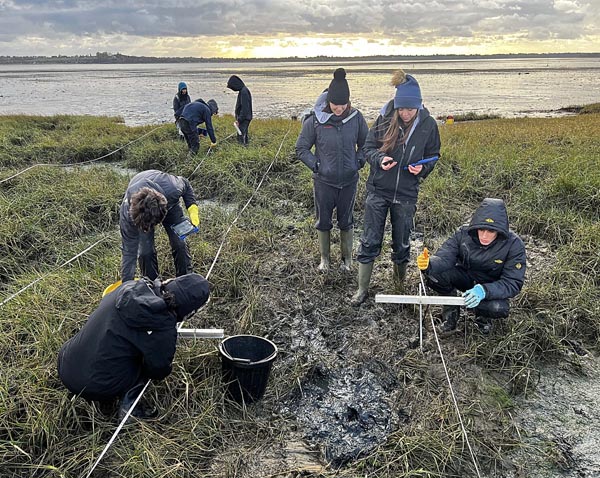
pixel 388 163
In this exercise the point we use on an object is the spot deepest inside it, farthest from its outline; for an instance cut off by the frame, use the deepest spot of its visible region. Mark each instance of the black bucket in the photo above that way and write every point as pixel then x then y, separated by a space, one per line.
pixel 247 362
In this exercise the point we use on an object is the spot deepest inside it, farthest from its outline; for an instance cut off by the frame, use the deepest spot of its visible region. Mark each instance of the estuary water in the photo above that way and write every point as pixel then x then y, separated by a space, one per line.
pixel 143 93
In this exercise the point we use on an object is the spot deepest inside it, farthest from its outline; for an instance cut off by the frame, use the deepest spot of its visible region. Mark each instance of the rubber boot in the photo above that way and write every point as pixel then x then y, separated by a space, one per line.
pixel 141 410
pixel 450 315
pixel 364 277
pixel 324 246
pixel 346 248
pixel 399 276
pixel 484 324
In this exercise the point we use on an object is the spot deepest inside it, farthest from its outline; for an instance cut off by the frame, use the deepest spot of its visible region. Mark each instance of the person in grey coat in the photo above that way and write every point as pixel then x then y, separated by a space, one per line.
pixel 152 197
pixel 338 132
pixel 401 148
pixel 485 259
pixel 243 107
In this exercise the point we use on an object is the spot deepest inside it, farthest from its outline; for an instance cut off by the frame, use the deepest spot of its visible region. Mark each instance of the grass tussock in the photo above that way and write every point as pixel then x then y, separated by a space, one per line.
pixel 264 283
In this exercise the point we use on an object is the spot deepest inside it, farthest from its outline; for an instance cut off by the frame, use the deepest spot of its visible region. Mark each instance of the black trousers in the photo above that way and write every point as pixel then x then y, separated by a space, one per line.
pixel 328 198
pixel 243 126
pixel 401 216
pixel 446 283
pixel 192 138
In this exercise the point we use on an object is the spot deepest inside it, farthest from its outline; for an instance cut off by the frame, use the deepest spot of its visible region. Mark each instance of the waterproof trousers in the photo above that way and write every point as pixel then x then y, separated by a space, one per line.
pixel 243 126
pixel 401 216
pixel 328 198
pixel 192 137
pixel 446 282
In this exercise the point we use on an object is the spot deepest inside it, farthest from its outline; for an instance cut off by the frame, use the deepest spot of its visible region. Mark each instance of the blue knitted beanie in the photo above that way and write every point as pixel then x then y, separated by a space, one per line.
pixel 408 94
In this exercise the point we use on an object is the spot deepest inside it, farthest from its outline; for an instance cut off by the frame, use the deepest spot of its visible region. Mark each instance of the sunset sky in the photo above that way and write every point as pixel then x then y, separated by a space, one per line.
pixel 268 28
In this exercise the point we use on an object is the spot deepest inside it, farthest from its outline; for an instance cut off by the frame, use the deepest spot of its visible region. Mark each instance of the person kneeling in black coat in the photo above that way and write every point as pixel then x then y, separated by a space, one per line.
pixel 485 260
pixel 129 339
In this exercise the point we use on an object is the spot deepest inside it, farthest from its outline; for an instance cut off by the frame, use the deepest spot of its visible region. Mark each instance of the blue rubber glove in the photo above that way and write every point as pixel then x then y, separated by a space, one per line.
pixel 474 296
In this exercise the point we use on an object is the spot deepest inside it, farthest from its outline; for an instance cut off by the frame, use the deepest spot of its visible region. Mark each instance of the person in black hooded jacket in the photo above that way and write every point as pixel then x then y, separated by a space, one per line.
pixel 181 99
pixel 193 115
pixel 243 107
pixel 129 339
pixel 403 134
pixel 485 259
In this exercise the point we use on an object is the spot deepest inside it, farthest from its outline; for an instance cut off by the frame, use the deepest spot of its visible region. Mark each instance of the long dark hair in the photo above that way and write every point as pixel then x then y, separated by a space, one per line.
pixel 392 138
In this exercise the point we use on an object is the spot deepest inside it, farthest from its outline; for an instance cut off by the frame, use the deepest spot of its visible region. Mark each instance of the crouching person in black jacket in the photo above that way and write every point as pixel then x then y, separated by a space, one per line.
pixel 129 339
pixel 485 260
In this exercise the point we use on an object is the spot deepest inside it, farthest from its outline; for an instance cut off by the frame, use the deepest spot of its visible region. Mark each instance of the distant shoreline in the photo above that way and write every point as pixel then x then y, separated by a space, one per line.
pixel 117 58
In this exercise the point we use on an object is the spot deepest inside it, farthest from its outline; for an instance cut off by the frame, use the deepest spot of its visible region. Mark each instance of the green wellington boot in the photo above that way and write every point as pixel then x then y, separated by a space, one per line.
pixel 364 277
pixel 346 248
pixel 324 246
pixel 398 277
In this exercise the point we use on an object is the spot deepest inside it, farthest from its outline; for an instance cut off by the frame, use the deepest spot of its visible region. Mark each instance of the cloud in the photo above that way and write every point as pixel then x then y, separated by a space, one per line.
pixel 415 22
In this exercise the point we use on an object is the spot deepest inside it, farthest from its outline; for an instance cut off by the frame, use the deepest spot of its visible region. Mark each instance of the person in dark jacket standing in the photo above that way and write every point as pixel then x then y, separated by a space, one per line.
pixel 243 107
pixel 338 133
pixel 129 339
pixel 193 115
pixel 181 99
pixel 403 135
pixel 152 197
pixel 485 259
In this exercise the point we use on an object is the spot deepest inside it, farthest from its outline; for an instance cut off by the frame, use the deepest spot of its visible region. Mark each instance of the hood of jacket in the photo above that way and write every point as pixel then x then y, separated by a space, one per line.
pixel 491 214
pixel 323 116
pixel 139 306
pixel 235 83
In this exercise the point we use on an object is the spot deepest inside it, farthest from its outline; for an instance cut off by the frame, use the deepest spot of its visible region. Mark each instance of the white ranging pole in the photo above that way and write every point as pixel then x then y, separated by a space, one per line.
pixel 420 299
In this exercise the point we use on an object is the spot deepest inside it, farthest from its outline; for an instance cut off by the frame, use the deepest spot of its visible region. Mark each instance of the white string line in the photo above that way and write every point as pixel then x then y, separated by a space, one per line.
pixel 462 426
pixel 206 155
pixel 53 270
pixel 128 414
pixel 64 165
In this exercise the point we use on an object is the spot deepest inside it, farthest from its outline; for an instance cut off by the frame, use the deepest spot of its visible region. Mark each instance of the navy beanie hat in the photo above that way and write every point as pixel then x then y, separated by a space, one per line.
pixel 181 86
pixel 339 92
pixel 408 92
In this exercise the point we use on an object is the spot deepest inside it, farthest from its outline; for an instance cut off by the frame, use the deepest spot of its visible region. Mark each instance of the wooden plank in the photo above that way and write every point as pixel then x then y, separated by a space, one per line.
pixel 419 299
pixel 201 333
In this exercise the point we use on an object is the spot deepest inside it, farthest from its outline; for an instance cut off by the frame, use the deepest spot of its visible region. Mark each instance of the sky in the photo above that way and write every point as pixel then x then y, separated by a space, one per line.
pixel 303 28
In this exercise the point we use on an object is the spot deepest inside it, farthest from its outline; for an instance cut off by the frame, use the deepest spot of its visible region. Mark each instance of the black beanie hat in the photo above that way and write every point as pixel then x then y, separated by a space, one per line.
pixel 190 292
pixel 338 92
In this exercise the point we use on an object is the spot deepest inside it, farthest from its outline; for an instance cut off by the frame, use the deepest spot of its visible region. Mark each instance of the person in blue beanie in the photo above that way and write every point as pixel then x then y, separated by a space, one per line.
pixel 338 133
pixel 243 107
pixel 485 260
pixel 193 115
pixel 181 99
pixel 403 134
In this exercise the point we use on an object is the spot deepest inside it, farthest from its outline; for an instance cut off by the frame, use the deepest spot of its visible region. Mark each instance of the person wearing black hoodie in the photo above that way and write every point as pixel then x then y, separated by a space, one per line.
pixel 181 99
pixel 193 115
pixel 403 135
pixel 485 259
pixel 243 107
pixel 129 339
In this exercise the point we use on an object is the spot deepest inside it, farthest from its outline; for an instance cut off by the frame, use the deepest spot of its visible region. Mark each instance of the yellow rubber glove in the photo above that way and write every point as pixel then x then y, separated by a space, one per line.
pixel 423 260
pixel 194 217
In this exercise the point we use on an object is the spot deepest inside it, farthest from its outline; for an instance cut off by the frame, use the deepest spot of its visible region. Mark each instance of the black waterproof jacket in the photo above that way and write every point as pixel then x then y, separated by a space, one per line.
pixel 398 184
pixel 338 143
pixel 172 187
pixel 199 112
pixel 130 336
pixel 179 101
pixel 498 267
pixel 243 105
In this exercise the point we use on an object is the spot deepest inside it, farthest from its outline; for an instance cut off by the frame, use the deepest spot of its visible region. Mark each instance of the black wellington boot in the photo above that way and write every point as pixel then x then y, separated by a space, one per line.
pixel 450 315
pixel 141 410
